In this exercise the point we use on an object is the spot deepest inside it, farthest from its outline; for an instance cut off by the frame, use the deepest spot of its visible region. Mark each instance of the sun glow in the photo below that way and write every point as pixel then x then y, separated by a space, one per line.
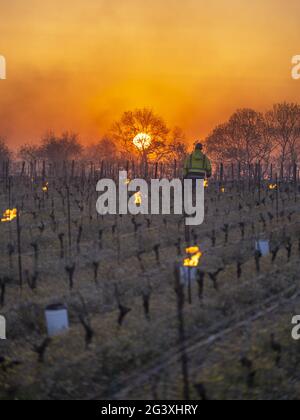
pixel 142 141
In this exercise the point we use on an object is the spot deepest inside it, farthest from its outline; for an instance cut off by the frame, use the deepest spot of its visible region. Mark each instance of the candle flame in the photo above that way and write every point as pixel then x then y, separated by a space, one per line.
pixel 9 215
pixel 45 187
pixel 138 198
pixel 194 257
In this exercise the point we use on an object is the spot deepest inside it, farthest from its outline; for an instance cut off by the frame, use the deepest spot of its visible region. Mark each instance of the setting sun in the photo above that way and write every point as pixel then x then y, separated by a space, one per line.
pixel 142 141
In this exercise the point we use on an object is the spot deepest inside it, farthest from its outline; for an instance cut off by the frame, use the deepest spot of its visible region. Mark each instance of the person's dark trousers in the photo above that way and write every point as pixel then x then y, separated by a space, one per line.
pixel 194 177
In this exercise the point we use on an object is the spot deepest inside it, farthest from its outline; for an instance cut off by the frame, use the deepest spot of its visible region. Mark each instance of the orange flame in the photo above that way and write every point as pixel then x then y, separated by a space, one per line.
pixel 45 187
pixel 9 215
pixel 138 198
pixel 273 187
pixel 206 183
pixel 194 257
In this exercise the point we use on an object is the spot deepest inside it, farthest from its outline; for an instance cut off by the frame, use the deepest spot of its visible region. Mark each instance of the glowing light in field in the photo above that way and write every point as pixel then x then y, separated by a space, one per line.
pixel 206 183
pixel 138 198
pixel 194 257
pixel 45 187
pixel 9 215
pixel 273 187
pixel 142 141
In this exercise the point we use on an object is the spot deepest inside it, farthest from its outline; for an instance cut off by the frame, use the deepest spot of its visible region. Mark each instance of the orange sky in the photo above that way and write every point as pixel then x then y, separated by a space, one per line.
pixel 78 64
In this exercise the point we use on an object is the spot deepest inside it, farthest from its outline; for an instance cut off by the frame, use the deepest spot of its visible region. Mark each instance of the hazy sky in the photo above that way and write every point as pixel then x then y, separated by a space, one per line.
pixel 78 64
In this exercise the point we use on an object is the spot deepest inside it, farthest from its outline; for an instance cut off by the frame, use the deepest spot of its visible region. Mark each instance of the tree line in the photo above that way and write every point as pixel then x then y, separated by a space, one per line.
pixel 250 137
pixel 166 143
pixel 247 138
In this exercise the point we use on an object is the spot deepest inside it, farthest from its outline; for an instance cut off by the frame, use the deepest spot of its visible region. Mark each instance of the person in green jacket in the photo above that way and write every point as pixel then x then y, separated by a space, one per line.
pixel 197 165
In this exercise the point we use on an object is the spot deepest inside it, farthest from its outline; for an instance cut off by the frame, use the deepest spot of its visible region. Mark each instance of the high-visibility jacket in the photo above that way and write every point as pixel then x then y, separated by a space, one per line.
pixel 196 163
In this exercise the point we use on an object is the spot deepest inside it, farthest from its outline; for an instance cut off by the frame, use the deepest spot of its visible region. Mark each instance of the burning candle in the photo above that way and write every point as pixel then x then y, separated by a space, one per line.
pixel 9 215
pixel 45 187
pixel 194 257
pixel 138 198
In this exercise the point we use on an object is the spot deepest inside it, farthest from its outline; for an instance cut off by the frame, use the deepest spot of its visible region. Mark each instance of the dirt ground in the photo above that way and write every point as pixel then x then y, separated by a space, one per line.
pixel 125 266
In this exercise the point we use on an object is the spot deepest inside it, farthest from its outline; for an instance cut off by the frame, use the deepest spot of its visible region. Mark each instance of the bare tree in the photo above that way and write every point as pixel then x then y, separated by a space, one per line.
pixel 5 153
pixel 243 139
pixel 151 128
pixel 105 149
pixel 59 149
pixel 177 148
pixel 284 126
pixel 29 153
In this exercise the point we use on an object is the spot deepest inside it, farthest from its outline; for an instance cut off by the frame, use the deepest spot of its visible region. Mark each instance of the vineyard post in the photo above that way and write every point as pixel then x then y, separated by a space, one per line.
pixel 73 169
pixel 181 333
pixel 35 169
pixel 259 173
pixel 242 177
pixel 7 175
pixel 144 168
pixel 190 285
pixel 161 170
pixel 288 175
pixel 69 220
pixel 19 249
pixel 65 171
pixel 249 177
pixel 23 169
pixel 101 169
pixel 221 172
pixel 277 198
pixel 295 180
pixel 44 171
pixel 271 173
pixel 9 191
pixel 82 174
pixel 91 171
